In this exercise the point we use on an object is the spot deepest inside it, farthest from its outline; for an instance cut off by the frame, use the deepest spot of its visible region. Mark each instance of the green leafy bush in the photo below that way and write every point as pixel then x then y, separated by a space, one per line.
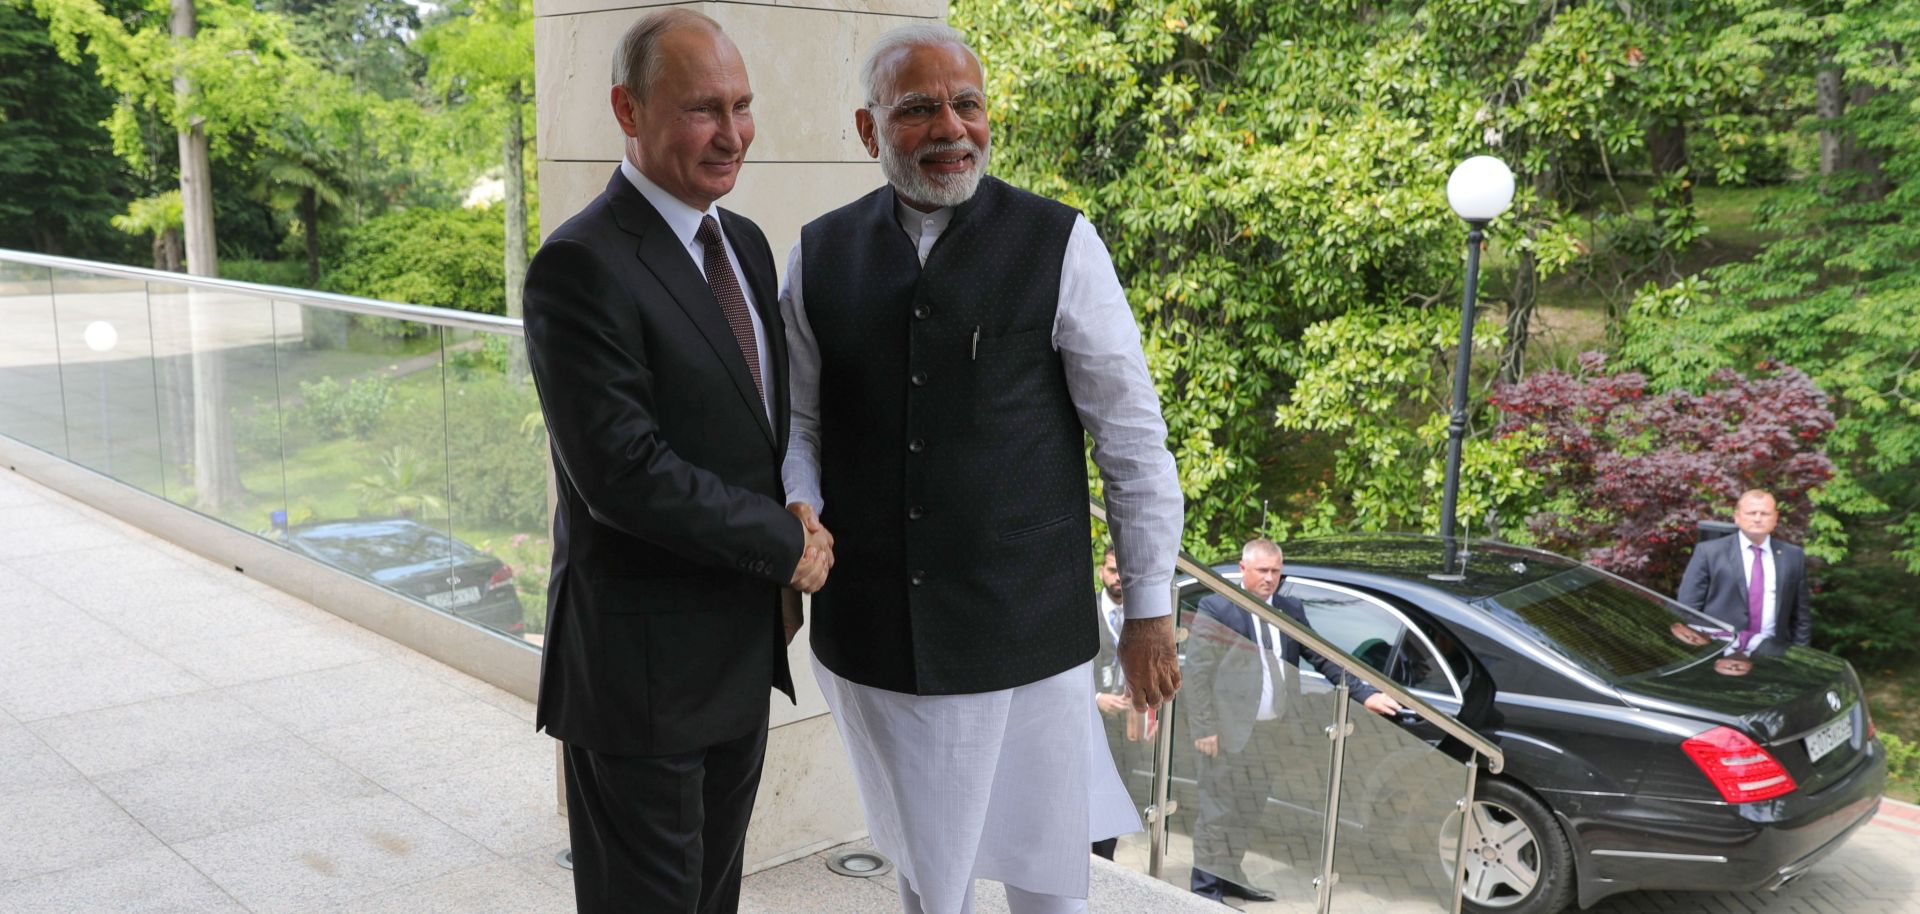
pixel 444 258
pixel 336 411
pixel 290 273
pixel 499 472
pixel 487 358
pixel 1903 761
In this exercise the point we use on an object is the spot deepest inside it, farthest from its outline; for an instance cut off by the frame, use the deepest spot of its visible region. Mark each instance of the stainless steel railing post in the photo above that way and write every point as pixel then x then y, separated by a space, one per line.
pixel 1161 809
pixel 1466 828
pixel 1323 884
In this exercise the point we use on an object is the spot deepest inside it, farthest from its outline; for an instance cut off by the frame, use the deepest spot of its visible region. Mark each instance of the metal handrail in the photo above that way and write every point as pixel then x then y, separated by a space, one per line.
pixel 1308 638
pixel 442 317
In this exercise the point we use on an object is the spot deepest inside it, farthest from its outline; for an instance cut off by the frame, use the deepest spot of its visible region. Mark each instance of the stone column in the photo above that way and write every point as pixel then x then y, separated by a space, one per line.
pixel 802 57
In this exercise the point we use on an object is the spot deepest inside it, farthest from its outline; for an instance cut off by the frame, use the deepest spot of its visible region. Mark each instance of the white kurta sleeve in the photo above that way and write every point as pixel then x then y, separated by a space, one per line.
pixel 801 471
pixel 1107 377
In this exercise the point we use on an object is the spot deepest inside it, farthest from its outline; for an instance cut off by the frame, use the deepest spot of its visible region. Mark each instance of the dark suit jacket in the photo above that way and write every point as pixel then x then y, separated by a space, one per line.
pixel 1716 583
pixel 1222 671
pixel 671 539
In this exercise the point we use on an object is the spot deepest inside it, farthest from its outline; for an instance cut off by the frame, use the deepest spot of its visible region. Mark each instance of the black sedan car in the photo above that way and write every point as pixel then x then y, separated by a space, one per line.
pixel 1641 752
pixel 419 561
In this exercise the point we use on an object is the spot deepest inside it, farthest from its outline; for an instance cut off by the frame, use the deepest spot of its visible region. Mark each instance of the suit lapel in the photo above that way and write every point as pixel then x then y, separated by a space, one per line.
pixel 666 258
pixel 1740 572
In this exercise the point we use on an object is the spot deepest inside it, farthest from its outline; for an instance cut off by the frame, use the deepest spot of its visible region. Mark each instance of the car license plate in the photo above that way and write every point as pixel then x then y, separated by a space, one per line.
pixel 1830 737
pixel 454 598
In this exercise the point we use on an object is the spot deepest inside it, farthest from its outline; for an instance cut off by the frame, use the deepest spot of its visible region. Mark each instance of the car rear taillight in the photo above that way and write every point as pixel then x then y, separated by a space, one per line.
pixel 1741 770
pixel 500 578
pixel 1868 711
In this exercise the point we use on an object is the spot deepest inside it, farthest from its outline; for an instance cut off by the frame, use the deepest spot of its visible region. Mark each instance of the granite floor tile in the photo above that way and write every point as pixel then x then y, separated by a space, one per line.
pixel 265 655
pixel 109 672
pixel 508 807
pixel 43 629
pixel 134 595
pixel 61 827
pixel 233 788
pixel 152 732
pixel 149 882
pixel 223 615
pixel 332 856
pixel 83 565
pixel 39 515
pixel 20 546
pixel 494 888
pixel 343 695
pixel 541 863
pixel 29 763
pixel 435 744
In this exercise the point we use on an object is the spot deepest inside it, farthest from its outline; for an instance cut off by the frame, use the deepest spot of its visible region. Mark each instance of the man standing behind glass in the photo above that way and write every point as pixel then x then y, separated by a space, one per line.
pixel 1127 736
pixel 954 342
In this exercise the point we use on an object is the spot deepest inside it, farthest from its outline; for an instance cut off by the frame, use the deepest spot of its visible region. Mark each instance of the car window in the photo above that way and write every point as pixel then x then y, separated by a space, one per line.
pixel 1603 624
pixel 1372 633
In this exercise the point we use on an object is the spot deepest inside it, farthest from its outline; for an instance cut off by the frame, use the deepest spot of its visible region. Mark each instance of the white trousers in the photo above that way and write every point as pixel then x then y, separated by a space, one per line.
pixel 1009 786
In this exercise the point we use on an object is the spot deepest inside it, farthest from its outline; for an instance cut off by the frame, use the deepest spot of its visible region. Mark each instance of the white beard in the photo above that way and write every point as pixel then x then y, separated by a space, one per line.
pixel 903 172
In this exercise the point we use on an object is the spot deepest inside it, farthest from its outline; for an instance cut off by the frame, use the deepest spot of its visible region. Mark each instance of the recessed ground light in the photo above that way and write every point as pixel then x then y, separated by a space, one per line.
pixel 564 858
pixel 860 863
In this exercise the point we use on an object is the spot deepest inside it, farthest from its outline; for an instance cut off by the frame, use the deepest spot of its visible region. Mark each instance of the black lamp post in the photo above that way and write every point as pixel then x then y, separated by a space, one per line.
pixel 1479 189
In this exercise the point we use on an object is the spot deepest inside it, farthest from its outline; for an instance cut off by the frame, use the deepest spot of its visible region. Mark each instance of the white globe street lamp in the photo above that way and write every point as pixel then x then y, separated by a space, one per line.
pixel 1479 189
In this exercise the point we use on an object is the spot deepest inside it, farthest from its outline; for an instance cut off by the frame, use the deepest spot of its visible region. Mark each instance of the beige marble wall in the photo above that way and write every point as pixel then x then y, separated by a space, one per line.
pixel 801 57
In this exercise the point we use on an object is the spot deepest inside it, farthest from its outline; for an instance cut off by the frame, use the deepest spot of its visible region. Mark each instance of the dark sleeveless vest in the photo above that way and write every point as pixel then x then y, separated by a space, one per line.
pixel 953 469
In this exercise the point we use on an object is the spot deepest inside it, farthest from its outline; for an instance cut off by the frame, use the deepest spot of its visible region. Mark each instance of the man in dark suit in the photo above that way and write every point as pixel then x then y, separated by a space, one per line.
pixel 1241 675
pixel 657 347
pixel 1751 581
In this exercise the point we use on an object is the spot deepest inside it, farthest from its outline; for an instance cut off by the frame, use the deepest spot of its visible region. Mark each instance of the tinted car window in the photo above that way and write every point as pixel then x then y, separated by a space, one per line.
pixel 1606 626
pixel 371 547
pixel 1371 633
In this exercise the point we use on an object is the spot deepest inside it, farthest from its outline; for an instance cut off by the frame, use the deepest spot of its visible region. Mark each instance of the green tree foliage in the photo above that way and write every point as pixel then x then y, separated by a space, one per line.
pixel 56 161
pixel 444 258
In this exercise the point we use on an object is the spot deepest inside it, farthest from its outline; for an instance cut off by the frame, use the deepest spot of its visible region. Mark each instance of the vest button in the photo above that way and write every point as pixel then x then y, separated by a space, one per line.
pixel 918 577
pixel 917 445
pixel 916 512
pixel 919 379
pixel 922 312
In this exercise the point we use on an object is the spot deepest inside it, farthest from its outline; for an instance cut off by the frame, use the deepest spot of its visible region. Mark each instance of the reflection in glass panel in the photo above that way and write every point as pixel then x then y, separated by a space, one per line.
pixel 364 438
pixel 107 372
pixel 1399 819
pixel 219 403
pixel 31 404
pixel 497 466
pixel 1250 761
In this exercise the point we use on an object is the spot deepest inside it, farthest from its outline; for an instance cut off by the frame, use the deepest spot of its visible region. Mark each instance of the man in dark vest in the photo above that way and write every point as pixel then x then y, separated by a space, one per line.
pixel 954 340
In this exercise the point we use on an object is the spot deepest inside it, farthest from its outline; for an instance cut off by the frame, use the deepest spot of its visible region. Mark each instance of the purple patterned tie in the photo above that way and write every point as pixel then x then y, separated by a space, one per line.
pixel 1756 599
pixel 733 305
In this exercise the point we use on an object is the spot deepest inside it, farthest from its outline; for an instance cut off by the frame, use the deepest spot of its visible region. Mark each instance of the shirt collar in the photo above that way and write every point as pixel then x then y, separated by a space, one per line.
pixel 682 220
pixel 916 223
pixel 1766 545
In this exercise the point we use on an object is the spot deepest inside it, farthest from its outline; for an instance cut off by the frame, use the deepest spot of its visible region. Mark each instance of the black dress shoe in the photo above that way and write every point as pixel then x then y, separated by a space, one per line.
pixel 1247 892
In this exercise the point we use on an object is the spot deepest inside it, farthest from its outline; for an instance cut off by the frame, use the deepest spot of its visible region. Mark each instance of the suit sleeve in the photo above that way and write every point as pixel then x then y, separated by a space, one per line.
pixel 1693 584
pixel 1205 646
pixel 598 396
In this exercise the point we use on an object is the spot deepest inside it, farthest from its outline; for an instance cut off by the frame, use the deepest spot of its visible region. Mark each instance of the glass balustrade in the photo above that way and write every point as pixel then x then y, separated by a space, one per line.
pixel 401 445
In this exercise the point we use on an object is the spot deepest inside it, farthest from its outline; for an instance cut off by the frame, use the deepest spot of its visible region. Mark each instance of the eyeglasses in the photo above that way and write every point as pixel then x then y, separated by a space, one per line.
pixel 915 110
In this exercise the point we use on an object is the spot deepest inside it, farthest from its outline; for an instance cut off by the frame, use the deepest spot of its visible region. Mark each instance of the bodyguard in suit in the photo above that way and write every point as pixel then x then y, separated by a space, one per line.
pixel 1751 581
pixel 1129 738
pixel 1241 676
pixel 660 360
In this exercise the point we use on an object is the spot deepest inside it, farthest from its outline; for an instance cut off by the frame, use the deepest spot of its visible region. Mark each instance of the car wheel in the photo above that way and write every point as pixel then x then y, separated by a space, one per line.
pixel 1517 858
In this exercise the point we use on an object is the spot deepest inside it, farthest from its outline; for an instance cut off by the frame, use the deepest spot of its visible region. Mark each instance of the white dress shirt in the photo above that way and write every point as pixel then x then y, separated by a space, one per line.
pixel 1770 600
pixel 684 222
pixel 1271 667
pixel 1094 332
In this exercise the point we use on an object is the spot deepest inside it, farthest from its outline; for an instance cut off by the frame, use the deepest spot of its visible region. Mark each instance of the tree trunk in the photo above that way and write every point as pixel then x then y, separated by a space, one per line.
pixel 1667 147
pixel 1828 104
pixel 216 478
pixel 1861 159
pixel 310 223
pixel 1525 295
pixel 516 266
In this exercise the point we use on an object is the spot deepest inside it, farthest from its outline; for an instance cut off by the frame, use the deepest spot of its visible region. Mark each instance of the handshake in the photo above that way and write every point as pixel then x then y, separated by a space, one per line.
pixel 817 558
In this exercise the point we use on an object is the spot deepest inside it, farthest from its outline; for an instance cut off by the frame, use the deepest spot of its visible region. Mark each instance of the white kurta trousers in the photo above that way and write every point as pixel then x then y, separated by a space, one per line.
pixel 1010 786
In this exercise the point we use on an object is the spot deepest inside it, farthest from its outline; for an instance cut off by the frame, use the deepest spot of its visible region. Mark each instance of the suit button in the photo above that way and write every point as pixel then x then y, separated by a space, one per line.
pixel 918 577
pixel 919 379
pixel 922 313
pixel 917 445
pixel 916 512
